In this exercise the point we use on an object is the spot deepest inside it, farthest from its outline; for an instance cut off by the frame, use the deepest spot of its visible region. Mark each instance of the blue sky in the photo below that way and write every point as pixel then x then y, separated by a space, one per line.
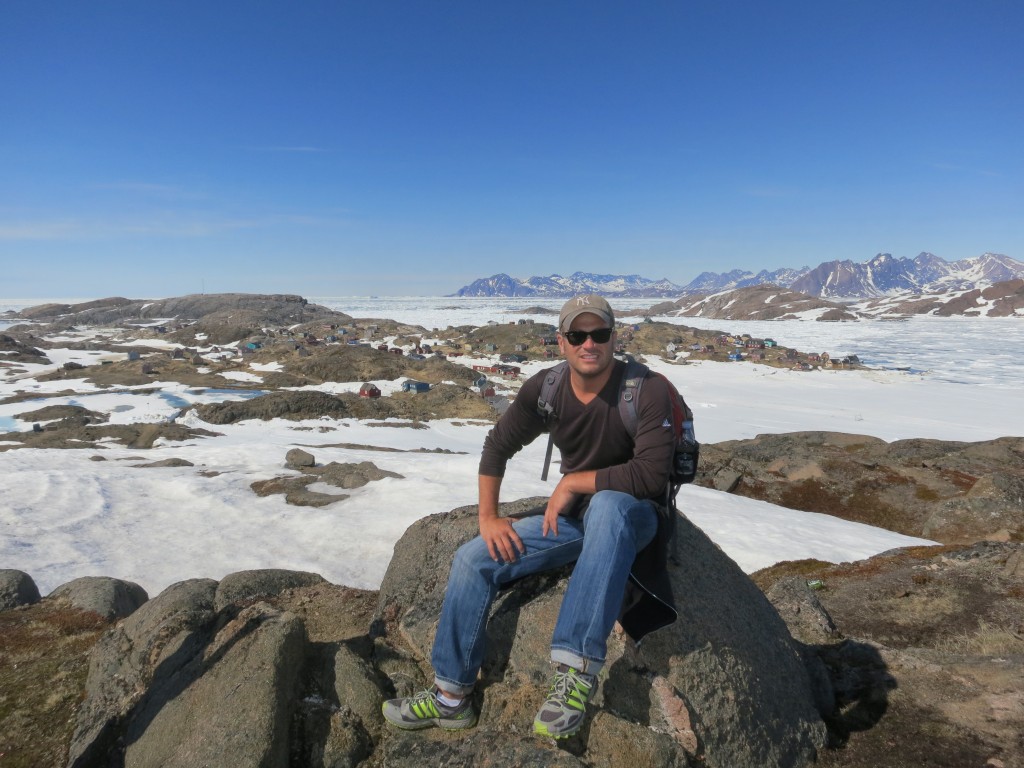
pixel 407 148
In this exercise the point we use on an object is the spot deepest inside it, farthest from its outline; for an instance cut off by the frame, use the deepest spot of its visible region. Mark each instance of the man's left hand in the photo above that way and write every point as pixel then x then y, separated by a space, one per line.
pixel 562 500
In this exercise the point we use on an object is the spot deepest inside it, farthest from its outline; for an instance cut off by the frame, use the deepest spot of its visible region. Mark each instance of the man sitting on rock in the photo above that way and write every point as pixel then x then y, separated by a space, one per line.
pixel 606 515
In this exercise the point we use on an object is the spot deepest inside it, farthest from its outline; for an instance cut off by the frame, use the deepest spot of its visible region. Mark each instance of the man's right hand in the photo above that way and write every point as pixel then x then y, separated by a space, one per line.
pixel 501 539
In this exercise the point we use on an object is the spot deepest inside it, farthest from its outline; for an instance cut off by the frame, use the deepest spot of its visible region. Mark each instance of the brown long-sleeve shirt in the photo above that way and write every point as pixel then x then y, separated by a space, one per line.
pixel 592 436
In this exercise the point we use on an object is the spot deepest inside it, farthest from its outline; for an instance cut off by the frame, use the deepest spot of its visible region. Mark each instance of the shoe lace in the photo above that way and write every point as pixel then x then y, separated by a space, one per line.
pixel 565 683
pixel 422 696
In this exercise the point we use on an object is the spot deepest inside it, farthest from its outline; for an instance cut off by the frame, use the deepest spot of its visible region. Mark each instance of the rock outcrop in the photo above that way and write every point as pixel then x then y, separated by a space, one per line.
pixel 278 668
pixel 17 588
pixel 913 657
pixel 938 489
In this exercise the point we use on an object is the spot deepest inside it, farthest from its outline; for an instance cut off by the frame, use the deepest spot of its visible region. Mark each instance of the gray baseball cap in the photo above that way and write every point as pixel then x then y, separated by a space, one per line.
pixel 588 302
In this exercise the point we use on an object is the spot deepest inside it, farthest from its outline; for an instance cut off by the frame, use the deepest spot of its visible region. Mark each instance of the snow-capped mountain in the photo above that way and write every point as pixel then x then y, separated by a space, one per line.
pixel 884 275
pixel 576 283
pixel 712 282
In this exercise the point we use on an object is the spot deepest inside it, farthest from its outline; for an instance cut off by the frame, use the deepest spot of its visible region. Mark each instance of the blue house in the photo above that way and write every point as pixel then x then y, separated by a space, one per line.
pixel 415 386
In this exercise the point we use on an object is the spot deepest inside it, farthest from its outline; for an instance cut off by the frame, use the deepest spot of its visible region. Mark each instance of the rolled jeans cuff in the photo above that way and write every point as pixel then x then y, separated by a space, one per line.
pixel 577 662
pixel 450 686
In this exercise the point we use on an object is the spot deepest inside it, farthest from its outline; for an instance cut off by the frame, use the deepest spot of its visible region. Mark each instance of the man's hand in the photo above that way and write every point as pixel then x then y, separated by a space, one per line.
pixel 501 538
pixel 560 501
pixel 564 497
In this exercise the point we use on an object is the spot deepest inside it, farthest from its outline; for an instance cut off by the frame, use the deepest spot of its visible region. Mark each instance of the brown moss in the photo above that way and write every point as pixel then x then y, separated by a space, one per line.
pixel 43 666
pixel 963 481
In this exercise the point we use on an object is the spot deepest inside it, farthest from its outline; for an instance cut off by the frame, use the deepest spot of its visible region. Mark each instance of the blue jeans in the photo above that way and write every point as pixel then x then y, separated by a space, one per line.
pixel 604 543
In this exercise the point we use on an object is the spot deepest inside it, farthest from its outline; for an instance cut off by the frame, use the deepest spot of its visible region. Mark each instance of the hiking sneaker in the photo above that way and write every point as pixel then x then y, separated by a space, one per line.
pixel 562 713
pixel 424 710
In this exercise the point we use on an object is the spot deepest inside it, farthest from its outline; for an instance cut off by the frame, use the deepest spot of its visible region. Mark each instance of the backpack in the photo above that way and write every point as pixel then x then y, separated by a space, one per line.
pixel 686 449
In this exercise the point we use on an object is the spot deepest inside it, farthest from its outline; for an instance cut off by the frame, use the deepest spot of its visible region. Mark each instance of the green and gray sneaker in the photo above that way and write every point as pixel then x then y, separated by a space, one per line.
pixel 424 710
pixel 562 713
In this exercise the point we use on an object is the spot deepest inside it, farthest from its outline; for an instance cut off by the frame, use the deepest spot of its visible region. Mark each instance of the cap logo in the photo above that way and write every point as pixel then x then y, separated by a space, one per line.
pixel 583 301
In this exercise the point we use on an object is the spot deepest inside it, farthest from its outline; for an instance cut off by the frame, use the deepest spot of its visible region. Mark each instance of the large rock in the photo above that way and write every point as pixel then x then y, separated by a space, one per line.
pixel 149 647
pixel 110 598
pixel 228 675
pixel 725 685
pixel 229 706
pixel 16 588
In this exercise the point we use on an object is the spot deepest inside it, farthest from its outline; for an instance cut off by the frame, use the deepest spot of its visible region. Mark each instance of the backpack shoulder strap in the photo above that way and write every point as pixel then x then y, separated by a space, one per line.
pixel 629 394
pixel 549 390
pixel 546 407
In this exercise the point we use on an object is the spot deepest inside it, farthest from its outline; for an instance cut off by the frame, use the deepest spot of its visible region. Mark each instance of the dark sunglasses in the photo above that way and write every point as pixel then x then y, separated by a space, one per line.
pixel 599 335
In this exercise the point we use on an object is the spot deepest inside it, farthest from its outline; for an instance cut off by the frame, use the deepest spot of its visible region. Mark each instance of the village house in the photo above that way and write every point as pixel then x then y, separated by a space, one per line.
pixel 510 358
pixel 410 385
pixel 735 356
pixel 133 354
pixel 490 347
pixel 369 390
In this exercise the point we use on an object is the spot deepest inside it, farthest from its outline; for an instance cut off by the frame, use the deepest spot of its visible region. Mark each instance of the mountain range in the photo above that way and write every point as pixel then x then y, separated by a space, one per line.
pixel 883 275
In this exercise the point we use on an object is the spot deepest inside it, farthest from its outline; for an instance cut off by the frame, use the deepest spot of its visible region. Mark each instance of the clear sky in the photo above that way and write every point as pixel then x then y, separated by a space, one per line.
pixel 406 148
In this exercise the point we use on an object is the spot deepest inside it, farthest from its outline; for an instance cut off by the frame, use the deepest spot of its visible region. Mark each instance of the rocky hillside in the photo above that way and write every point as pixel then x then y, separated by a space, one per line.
pixel 758 302
pixel 1003 299
pixel 946 491
pixel 222 317
pixel 772 302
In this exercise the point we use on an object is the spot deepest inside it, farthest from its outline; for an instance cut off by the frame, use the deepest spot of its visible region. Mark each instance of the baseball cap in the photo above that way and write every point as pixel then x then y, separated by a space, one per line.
pixel 588 302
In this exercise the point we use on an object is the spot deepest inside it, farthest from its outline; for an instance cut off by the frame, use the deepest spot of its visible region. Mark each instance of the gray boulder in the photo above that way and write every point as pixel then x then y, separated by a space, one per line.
pixel 149 647
pixel 110 598
pixel 16 588
pixel 296 458
pixel 229 706
pixel 726 685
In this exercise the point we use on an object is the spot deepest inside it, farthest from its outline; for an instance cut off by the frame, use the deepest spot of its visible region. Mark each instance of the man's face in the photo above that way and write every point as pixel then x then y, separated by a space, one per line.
pixel 589 358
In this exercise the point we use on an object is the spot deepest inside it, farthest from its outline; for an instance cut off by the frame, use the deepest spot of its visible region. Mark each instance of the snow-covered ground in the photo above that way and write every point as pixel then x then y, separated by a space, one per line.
pixel 64 515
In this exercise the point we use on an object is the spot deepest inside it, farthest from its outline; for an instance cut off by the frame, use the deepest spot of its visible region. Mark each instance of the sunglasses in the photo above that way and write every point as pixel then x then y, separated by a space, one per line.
pixel 599 335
